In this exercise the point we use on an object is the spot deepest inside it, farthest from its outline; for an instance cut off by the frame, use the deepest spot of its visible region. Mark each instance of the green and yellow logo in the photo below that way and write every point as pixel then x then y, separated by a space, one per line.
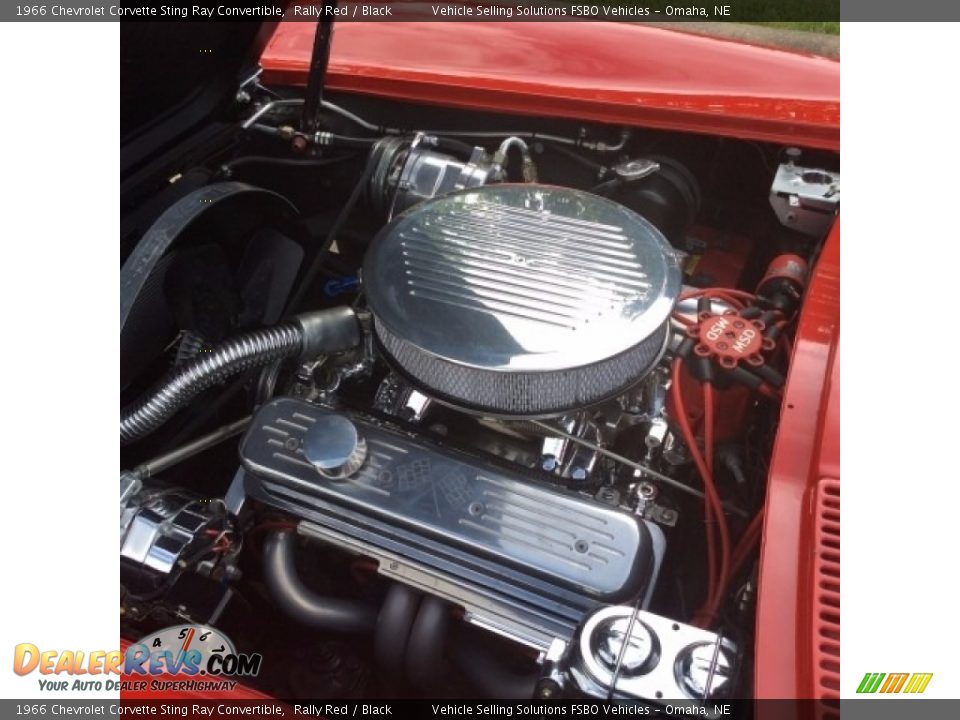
pixel 894 683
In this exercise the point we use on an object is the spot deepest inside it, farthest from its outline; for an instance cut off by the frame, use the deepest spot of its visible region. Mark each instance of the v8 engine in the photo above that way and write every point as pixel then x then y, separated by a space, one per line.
pixel 504 406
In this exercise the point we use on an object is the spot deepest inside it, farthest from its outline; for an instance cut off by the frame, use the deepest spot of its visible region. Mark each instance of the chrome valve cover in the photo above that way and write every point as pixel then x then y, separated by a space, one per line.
pixel 523 558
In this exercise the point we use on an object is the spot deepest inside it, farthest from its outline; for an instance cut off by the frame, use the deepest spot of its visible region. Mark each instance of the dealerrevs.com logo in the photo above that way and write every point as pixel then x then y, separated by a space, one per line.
pixel 170 659
pixel 910 683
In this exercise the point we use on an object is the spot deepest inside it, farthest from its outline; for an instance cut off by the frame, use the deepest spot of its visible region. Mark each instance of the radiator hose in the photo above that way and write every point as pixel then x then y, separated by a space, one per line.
pixel 306 337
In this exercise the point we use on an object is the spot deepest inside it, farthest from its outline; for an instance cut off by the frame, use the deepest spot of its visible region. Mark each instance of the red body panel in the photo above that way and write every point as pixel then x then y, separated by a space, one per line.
pixel 807 451
pixel 618 73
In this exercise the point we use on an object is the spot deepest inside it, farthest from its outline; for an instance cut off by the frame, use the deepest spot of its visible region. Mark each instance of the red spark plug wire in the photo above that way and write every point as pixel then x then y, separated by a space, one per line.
pixel 747 542
pixel 713 508
pixel 722 565
pixel 735 298
pixel 709 410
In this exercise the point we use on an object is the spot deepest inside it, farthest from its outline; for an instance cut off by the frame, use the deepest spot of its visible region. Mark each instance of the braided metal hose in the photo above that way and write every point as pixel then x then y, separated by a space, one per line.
pixel 190 379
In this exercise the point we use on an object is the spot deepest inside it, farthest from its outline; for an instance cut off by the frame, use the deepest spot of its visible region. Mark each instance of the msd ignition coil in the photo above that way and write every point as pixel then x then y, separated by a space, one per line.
pixel 783 283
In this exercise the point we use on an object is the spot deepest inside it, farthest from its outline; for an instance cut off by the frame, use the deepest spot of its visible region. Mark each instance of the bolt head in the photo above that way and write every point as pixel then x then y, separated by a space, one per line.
pixel 646 490
pixel 548 463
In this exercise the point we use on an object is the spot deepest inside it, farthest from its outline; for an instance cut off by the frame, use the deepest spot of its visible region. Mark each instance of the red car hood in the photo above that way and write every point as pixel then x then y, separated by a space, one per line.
pixel 618 73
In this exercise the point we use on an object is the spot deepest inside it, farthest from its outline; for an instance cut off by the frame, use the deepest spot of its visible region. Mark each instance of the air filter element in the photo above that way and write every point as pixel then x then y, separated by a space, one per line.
pixel 523 300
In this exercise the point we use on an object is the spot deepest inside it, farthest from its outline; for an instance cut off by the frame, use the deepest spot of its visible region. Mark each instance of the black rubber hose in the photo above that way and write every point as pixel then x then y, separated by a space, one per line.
pixel 599 168
pixel 427 639
pixel 348 142
pixel 240 162
pixel 267 382
pixel 310 335
pixel 394 623
pixel 488 675
pixel 303 604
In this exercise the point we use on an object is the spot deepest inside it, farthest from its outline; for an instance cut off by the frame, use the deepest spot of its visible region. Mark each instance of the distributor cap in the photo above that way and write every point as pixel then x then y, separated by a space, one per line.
pixel 730 338
pixel 734 346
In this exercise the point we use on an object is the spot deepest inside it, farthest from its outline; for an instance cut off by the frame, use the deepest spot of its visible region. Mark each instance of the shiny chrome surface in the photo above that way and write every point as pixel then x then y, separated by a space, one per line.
pixel 333 446
pixel 561 538
pixel 806 199
pixel 551 277
pixel 649 657
pixel 704 669
pixel 157 530
pixel 641 651
pixel 523 279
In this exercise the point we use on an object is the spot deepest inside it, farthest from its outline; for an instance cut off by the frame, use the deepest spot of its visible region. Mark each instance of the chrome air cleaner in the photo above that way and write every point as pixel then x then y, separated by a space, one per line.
pixel 522 300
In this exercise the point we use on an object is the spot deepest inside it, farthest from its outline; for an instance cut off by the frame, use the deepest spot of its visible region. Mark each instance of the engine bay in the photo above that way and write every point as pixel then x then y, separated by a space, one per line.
pixel 479 410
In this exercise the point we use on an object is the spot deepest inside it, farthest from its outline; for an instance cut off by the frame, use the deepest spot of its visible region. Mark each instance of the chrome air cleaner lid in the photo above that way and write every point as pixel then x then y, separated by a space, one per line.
pixel 521 299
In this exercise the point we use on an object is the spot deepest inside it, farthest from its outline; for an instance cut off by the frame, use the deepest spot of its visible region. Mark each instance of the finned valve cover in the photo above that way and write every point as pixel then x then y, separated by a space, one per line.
pixel 524 300
pixel 532 556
